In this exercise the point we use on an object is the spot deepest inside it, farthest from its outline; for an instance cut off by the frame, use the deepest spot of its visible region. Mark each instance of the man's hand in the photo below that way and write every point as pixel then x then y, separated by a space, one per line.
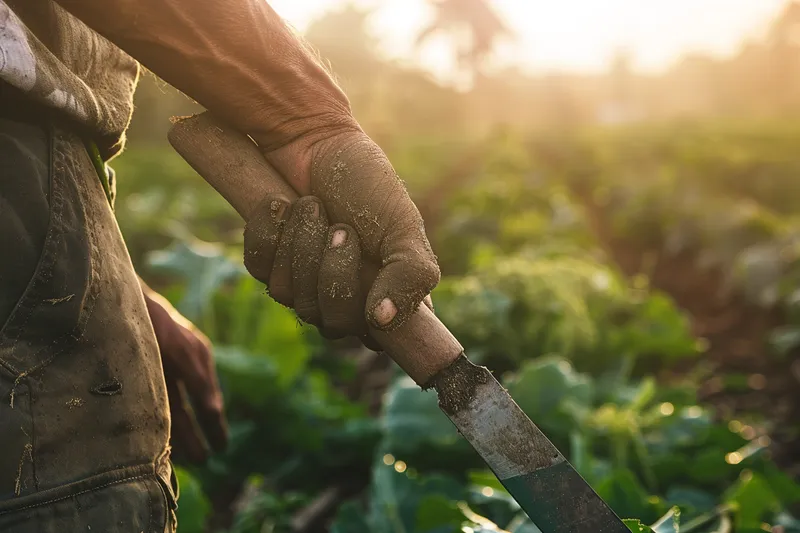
pixel 244 64
pixel 314 267
pixel 195 399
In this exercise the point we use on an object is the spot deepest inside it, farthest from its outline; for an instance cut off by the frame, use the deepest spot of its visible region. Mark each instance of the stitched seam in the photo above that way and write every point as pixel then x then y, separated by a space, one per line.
pixel 150 506
pixel 9 367
pixel 33 433
pixel 27 304
pixel 166 500
pixel 69 496
pixel 88 208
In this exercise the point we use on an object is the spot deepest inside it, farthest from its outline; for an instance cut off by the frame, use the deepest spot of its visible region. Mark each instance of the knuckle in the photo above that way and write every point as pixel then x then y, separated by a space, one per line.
pixel 309 210
pixel 259 236
pixel 281 294
pixel 429 274
pixel 307 199
pixel 271 209
pixel 213 405
pixel 306 309
pixel 257 270
pixel 337 286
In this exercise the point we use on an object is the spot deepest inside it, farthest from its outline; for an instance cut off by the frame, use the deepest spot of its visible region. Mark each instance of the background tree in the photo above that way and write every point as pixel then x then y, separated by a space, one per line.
pixel 472 25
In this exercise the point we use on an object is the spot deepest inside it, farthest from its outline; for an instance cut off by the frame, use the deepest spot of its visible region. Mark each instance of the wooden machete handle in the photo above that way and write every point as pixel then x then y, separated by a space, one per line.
pixel 232 163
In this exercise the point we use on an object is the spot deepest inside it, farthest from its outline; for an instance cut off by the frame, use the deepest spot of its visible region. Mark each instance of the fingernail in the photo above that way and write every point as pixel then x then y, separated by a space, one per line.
pixel 429 301
pixel 278 209
pixel 385 312
pixel 339 238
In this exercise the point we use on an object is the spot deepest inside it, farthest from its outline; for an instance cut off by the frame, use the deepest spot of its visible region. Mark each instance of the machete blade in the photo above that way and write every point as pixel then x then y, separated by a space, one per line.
pixel 530 467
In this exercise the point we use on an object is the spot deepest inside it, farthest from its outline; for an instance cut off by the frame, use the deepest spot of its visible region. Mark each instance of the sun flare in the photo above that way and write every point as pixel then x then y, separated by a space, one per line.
pixel 574 35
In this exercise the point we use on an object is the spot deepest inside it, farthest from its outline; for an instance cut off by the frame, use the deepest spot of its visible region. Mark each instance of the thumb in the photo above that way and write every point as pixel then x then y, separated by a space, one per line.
pixel 361 188
pixel 408 275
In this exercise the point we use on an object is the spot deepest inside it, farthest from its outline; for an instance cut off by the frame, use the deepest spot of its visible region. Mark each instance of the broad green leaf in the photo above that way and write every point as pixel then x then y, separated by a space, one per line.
pixel 543 387
pixel 754 500
pixel 203 267
pixel 193 505
pixel 784 486
pixel 251 320
pixel 413 422
pixel 288 342
pixel 438 514
pixel 692 501
pixel 350 519
pixel 689 426
pixel 626 496
pixel 636 526
pixel 638 396
pixel 395 496
pixel 251 378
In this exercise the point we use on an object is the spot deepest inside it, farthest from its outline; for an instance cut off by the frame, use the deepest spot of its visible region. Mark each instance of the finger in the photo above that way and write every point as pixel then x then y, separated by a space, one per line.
pixel 185 435
pixel 408 275
pixel 341 301
pixel 310 231
pixel 202 385
pixel 280 279
pixel 262 234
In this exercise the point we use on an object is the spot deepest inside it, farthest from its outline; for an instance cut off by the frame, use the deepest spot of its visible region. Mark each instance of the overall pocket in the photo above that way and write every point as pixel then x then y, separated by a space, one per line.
pixel 130 499
pixel 24 207
pixel 57 298
pixel 45 283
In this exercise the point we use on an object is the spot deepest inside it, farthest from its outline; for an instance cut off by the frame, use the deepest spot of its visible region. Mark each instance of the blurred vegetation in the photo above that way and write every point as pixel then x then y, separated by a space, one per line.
pixel 594 232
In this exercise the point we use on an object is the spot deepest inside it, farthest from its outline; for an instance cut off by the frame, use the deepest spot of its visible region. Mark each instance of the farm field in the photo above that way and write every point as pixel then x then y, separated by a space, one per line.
pixel 636 289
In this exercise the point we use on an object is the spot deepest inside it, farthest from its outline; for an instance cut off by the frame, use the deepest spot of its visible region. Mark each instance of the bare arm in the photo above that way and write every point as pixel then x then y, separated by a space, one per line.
pixel 238 59
pixel 242 62
pixel 191 379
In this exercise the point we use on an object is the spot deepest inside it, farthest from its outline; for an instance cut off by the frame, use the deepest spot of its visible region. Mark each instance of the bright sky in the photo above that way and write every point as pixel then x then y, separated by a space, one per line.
pixel 570 34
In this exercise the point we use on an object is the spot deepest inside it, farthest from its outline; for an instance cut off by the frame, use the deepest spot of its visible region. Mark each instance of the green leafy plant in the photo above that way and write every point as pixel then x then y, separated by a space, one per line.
pixel 606 365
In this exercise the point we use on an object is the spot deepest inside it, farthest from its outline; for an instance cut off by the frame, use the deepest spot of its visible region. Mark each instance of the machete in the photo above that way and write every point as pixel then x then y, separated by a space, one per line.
pixel 534 472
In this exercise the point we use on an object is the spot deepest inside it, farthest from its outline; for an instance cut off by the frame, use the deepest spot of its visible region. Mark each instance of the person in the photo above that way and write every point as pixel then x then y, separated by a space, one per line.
pixel 84 411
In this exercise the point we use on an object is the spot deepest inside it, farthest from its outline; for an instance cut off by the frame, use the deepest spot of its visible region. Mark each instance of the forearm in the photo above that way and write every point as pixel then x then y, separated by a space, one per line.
pixel 237 58
pixel 158 304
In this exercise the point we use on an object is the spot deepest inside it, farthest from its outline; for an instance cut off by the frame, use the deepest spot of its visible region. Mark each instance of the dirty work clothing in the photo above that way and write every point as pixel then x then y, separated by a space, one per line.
pixel 84 422
pixel 60 63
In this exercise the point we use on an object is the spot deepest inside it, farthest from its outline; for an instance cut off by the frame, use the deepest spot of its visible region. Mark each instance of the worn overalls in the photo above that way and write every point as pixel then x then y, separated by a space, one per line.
pixel 84 420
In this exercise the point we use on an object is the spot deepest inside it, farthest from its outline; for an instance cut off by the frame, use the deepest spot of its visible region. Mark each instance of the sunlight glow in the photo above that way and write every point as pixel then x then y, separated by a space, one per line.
pixel 573 35
pixel 694 411
pixel 733 458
